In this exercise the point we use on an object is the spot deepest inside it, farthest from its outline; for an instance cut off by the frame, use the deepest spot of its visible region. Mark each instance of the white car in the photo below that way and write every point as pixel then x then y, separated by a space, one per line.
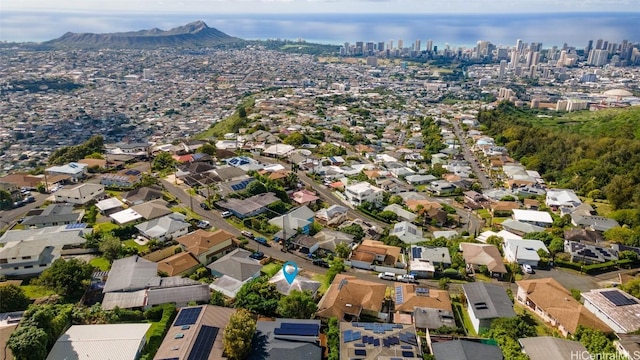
pixel 527 269
pixel 226 214
pixel 387 276
pixel 406 278
pixel 204 224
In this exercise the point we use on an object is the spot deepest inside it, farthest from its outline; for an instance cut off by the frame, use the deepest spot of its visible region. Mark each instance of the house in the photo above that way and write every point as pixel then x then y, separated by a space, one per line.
pixel 485 303
pixel 152 209
pixel 137 149
pixel 410 296
pixel 446 234
pixel 80 194
pixel 466 350
pixel 504 234
pixel 286 339
pixel 109 206
pixel 431 318
pixel 583 235
pixel 615 308
pixel 558 198
pixel 22 180
pixel 362 192
pixel 533 217
pixel 196 333
pixel 420 179
pixel 305 197
pixel 551 348
pixel 206 245
pixel 553 303
pixel 180 264
pixel 278 150
pixel 476 255
pixel 333 215
pixel 101 342
pixel 503 208
pixel 373 341
pixel 300 283
pixel 403 215
pixel 165 228
pixel 627 345
pixel 53 215
pixel 593 222
pixel 407 232
pixel 127 216
pixel 233 270
pixel 371 251
pixel 252 206
pixel 524 252
pixel 520 228
pixel 133 283
pixel 123 179
pixel 441 188
pixel 349 297
pixel 75 171
pixel 299 219
pixel 589 253
pixel 424 260
pixel 143 194
pixel 326 240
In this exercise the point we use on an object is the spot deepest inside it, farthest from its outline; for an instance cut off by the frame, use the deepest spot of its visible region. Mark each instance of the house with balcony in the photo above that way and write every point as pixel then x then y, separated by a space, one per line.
pixel 362 192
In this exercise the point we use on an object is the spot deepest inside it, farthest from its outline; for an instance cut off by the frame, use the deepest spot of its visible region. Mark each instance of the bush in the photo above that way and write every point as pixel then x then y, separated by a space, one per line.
pixel 154 314
pixel 155 338
pixel 568 264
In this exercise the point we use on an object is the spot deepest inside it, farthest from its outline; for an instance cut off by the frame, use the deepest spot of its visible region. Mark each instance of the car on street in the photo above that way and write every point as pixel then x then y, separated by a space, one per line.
pixel 205 206
pixel 203 224
pixel 387 276
pixel 247 234
pixel 262 241
pixel 407 278
pixel 320 262
pixel 527 269
pixel 226 214
pixel 258 255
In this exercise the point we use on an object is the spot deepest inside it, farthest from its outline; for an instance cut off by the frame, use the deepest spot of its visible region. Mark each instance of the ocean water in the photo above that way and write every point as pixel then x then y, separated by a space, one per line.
pixel 456 30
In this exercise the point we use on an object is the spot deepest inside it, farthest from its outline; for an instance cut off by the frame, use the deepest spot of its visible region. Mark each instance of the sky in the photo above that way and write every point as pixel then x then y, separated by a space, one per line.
pixel 332 21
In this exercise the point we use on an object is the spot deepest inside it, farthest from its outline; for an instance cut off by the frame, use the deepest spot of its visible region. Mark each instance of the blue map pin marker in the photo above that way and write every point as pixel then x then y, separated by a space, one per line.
pixel 290 271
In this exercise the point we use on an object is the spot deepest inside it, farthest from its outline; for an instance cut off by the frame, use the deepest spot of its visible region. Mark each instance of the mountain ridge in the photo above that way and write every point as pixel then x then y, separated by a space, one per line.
pixel 194 34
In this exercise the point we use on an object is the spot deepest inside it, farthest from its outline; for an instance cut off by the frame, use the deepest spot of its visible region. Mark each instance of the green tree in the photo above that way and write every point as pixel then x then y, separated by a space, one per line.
pixel 621 235
pixel 632 287
pixel 217 298
pixel 208 149
pixel 297 305
pixel 91 215
pixel 336 266
pixel 333 339
pixel 67 278
pixel 12 298
pixel 163 162
pixel 507 331
pixel 295 139
pixel 238 335
pixel 388 216
pixel 6 202
pixel 28 343
pixel 556 246
pixel 443 283
pixel 595 341
pixel 255 187
pixel 343 250
pixel 497 241
pixel 396 199
pixel 242 112
pixel 620 190
pixel 110 246
pixel 355 230
pixel 258 296
pixel 291 180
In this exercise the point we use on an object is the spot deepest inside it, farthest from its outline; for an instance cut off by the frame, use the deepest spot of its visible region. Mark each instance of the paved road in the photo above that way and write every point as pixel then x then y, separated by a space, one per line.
pixel 470 157
pixel 473 223
pixel 8 217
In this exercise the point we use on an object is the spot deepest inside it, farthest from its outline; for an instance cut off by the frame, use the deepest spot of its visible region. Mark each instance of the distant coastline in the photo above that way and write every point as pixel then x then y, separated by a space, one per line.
pixel 457 30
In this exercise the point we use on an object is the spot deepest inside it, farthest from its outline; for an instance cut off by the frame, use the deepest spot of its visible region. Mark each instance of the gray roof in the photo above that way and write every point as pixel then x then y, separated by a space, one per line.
pixel 249 205
pixel 429 318
pixel 488 301
pixel 163 225
pixel 237 265
pixel 466 350
pixel 70 235
pixel 129 274
pixel 54 213
pixel 142 194
pixel 300 283
pixel 432 254
pixel 124 300
pixel 267 345
pixel 550 348
pixel 520 226
pixel 179 294
pixel 152 209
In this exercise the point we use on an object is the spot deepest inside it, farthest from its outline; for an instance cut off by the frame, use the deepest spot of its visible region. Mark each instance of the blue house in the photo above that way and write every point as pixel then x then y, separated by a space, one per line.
pixel 299 220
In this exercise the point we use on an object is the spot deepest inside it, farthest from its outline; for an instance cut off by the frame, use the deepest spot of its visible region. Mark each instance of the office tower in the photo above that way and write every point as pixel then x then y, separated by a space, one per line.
pixel 417 46
pixel 605 45
pixel 359 47
pixel 598 57
pixel 563 58
pixel 503 67
pixel 390 45
pixel 369 47
pixel 529 58
pixel 589 47
pixel 347 48
pixel 381 46
pixel 625 43
pixel 514 58
pixel 553 53
pixel 519 45
pixel 598 44
pixel 435 49
pixel 536 58
pixel 400 44
pixel 532 71
pixel 535 47
pixel 429 45
pixel 482 49
pixel 502 53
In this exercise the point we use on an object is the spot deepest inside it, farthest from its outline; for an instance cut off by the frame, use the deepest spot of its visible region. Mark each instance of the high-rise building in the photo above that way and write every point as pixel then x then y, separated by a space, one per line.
pixel 369 47
pixel 563 58
pixel 359 47
pixel 400 44
pixel 503 68
pixel 390 45
pixel 589 47
pixel 429 45
pixel 598 57
pixel 519 45
pixel 599 44
pixel 372 61
pixel 380 46
pixel 416 47
pixel 515 57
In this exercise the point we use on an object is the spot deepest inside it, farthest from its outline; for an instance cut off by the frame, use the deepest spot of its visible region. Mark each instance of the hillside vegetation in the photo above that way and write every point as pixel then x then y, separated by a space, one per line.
pixel 67 154
pixel 231 124
pixel 598 157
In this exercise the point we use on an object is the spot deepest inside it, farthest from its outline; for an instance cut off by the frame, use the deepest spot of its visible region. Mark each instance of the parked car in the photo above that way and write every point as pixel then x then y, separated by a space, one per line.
pixel 387 276
pixel 29 199
pixel 320 262
pixel 258 255
pixel 226 214
pixel 527 269
pixel 203 224
pixel 247 234
pixel 205 206
pixel 407 278
pixel 262 241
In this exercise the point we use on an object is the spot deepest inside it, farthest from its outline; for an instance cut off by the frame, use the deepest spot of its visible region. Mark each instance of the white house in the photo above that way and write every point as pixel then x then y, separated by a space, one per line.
pixel 363 191
pixel 103 341
pixel 523 251
pixel 558 198
pixel 407 232
pixel 165 228
pixel 615 308
pixel 80 194
pixel 533 217
pixel 74 170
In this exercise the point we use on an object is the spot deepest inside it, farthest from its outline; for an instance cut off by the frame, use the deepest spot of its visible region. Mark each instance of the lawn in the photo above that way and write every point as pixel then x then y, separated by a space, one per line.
pixel 100 263
pixel 458 310
pixel 271 268
pixel 322 279
pixel 541 328
pixel 36 291
pixel 132 243
pixel 104 227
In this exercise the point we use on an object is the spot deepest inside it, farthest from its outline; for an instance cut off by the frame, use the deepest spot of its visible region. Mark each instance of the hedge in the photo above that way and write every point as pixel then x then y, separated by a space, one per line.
pixel 568 264
pixel 156 337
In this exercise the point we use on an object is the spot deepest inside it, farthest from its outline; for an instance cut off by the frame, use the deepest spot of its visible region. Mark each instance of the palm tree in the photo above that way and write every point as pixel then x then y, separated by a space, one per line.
pixel 291 181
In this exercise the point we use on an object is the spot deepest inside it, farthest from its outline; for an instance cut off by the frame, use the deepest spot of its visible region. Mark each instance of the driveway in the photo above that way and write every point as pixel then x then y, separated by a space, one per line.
pixel 568 279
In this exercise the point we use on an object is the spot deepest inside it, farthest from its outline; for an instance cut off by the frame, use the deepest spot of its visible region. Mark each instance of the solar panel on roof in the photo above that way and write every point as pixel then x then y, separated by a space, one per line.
pixel 617 298
pixel 296 331
pixel 188 316
pixel 361 352
pixel 406 347
pixel 204 343
pixel 407 354
pixel 359 345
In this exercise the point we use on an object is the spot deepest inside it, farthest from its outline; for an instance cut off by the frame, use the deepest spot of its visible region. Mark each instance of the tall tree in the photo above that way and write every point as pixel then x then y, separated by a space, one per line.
pixel 67 278
pixel 163 161
pixel 12 298
pixel 297 305
pixel 343 250
pixel 110 246
pixel 258 296
pixel 238 335
pixel 28 343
